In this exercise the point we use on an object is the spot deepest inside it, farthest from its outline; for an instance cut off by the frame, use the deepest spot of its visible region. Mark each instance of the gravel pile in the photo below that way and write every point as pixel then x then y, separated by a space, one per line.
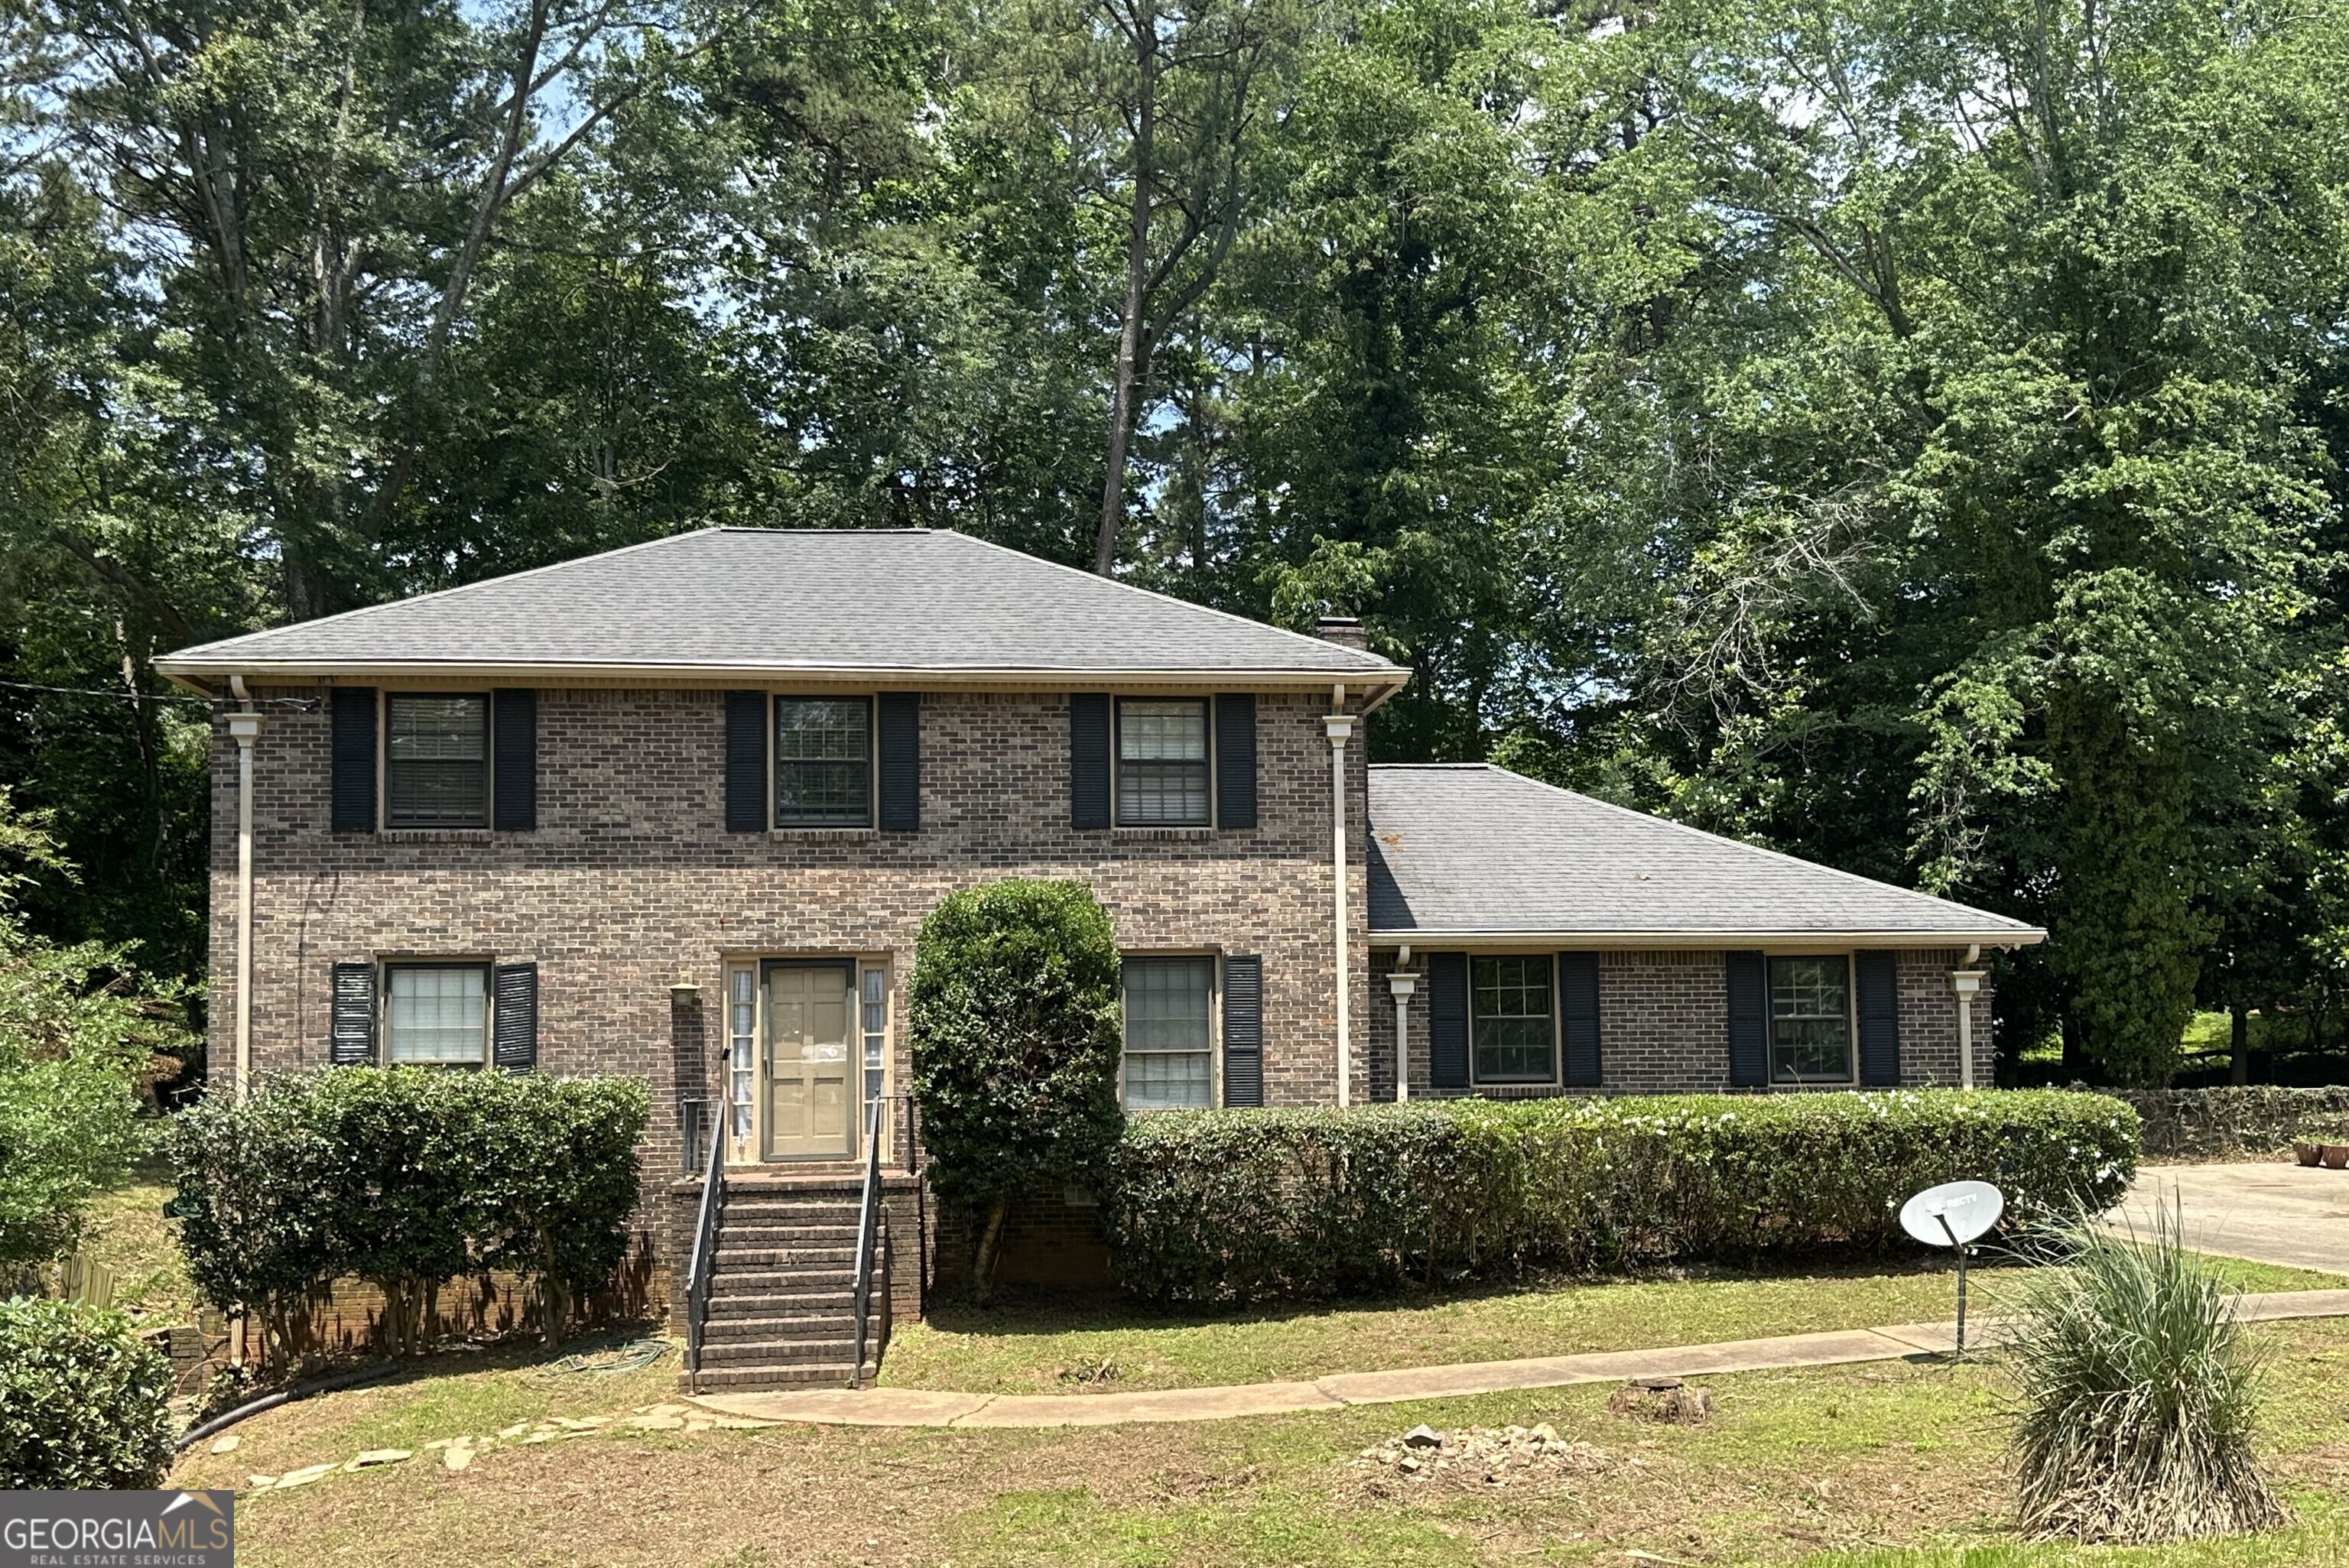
pixel 1483 1453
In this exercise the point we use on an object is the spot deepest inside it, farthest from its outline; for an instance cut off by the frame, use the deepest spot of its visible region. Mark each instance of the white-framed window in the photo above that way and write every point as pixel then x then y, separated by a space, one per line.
pixel 1810 1018
pixel 436 1014
pixel 1513 1009
pixel 436 759
pixel 1162 762
pixel 1169 1033
pixel 823 762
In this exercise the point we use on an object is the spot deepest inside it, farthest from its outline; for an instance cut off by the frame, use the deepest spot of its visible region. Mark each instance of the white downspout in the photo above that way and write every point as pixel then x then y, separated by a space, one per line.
pixel 244 727
pixel 1403 986
pixel 1340 726
pixel 1966 982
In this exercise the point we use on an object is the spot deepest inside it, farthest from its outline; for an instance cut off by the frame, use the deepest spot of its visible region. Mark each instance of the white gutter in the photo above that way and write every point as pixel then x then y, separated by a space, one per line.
pixel 187 671
pixel 1706 938
pixel 246 728
pixel 1340 725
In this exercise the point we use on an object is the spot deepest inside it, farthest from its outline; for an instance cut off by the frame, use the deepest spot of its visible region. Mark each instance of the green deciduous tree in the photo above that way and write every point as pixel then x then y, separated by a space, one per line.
pixel 80 1031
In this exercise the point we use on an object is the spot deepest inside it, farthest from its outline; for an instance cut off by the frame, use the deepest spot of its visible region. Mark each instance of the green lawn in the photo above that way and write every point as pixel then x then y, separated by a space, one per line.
pixel 1892 1464
pixel 1888 1465
pixel 126 1231
pixel 1043 1347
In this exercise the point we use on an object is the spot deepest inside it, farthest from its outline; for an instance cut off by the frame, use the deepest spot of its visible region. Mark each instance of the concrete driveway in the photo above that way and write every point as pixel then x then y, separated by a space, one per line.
pixel 2289 1214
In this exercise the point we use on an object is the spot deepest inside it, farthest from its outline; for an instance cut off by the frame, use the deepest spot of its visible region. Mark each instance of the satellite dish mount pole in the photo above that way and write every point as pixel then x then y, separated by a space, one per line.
pixel 1960 1246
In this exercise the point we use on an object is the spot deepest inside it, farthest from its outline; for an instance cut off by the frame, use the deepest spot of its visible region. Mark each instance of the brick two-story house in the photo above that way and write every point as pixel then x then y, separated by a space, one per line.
pixel 678 811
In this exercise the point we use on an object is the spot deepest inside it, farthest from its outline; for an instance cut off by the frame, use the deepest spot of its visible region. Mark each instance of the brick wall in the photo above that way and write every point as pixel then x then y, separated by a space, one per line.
pixel 630 882
pixel 1664 1025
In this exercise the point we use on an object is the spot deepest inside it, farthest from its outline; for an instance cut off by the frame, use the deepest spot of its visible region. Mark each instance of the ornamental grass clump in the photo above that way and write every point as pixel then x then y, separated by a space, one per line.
pixel 2140 1395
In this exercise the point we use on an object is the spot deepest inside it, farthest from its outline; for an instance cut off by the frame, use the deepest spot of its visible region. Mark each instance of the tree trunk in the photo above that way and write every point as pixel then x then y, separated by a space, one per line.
pixel 395 1317
pixel 2239 1040
pixel 1132 356
pixel 982 1272
pixel 554 1310
pixel 554 1297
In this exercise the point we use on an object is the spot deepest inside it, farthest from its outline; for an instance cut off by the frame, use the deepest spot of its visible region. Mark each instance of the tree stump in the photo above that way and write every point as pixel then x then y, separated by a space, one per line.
pixel 1667 1400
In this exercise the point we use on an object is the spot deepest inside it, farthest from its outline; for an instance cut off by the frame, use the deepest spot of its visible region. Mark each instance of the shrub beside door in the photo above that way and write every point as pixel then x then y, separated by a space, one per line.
pixel 409 1178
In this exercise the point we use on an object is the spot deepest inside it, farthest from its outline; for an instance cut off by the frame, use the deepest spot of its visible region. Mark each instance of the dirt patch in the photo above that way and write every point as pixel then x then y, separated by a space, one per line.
pixel 1476 1456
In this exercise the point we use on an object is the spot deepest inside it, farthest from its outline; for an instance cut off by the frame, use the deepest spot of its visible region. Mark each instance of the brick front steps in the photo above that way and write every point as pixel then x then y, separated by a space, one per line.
pixel 782 1287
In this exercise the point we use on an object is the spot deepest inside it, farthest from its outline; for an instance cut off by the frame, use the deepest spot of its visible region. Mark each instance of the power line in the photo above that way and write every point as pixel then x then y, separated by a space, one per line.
pixel 115 693
pixel 298 703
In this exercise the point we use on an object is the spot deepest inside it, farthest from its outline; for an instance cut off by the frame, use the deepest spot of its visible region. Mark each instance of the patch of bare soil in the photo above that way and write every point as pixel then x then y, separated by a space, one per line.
pixel 1685 1496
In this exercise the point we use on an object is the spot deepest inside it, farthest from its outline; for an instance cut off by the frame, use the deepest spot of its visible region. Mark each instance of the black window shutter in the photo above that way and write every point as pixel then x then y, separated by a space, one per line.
pixel 351 1041
pixel 513 758
pixel 1089 760
pixel 1578 995
pixel 746 761
pixel 1879 1017
pixel 514 1025
pixel 1243 1031
pixel 1749 1020
pixel 901 761
pixel 354 759
pixel 1447 1020
pixel 1235 760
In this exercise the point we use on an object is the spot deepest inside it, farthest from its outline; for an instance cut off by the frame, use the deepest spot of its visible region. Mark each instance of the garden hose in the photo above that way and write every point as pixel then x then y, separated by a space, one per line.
pixel 350 1379
pixel 635 1354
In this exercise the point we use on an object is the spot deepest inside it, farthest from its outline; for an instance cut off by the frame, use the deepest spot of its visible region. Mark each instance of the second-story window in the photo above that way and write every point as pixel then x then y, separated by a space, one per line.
pixel 823 762
pixel 435 760
pixel 1162 763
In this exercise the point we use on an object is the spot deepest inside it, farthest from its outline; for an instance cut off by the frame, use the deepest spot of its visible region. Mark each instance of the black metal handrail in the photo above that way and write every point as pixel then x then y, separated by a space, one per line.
pixel 705 1241
pixel 868 1223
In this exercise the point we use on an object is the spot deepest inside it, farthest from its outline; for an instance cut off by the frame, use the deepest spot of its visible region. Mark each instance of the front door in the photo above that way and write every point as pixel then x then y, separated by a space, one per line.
pixel 808 1067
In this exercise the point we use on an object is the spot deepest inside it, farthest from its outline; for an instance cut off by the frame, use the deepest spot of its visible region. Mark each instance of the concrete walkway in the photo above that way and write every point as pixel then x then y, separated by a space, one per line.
pixel 2274 1214
pixel 923 1408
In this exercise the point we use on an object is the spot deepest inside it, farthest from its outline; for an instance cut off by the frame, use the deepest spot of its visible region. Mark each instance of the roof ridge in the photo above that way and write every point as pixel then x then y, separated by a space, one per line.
pixel 503 577
pixel 1337 660
pixel 1321 643
pixel 1680 827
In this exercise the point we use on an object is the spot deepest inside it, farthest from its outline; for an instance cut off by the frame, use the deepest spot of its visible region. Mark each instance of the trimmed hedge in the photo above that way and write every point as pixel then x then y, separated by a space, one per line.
pixel 408 1177
pixel 1257 1205
pixel 83 1401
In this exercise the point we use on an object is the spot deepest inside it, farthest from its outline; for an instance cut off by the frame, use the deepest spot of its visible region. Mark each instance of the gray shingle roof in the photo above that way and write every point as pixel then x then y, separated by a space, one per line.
pixel 842 601
pixel 1467 848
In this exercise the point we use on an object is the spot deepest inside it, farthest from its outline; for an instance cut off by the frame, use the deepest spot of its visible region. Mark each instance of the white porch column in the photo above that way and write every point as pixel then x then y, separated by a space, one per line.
pixel 1340 727
pixel 1403 986
pixel 1965 982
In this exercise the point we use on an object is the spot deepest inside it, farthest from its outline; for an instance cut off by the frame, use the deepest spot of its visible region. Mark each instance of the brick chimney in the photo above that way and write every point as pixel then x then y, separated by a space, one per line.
pixel 1344 631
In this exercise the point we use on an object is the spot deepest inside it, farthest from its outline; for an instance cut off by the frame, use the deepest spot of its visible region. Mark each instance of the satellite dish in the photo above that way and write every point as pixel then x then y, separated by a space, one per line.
pixel 1952 1214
